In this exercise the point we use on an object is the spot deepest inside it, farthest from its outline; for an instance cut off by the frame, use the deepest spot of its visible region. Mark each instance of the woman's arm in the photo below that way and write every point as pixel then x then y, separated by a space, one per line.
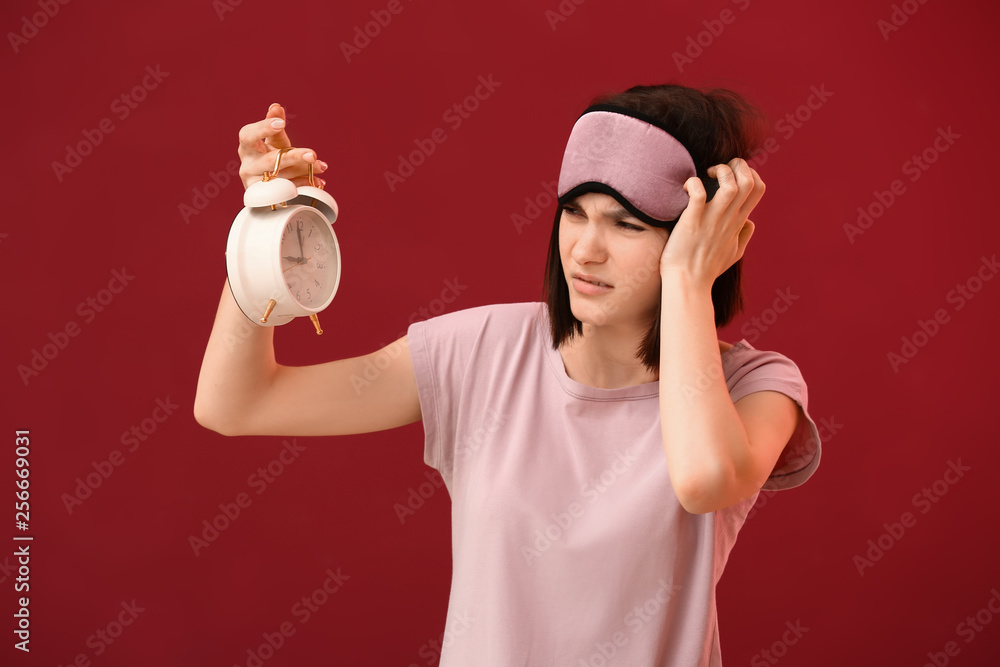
pixel 717 453
pixel 243 391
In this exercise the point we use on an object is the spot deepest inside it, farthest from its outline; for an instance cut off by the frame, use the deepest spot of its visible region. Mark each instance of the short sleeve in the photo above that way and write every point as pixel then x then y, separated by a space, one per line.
pixel 771 371
pixel 441 350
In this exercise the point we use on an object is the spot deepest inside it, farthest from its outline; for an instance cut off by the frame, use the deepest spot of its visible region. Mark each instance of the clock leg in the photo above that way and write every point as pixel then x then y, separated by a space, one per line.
pixel 267 311
pixel 315 321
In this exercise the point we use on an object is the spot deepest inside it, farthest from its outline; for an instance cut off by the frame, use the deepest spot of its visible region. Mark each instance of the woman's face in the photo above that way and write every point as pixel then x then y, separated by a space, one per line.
pixel 600 242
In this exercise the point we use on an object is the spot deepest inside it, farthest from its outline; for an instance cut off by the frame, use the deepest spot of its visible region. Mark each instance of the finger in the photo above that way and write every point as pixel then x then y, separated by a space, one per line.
pixel 293 163
pixel 728 185
pixel 255 136
pixel 758 188
pixel 279 140
pixel 300 181
pixel 258 137
pixel 750 185
pixel 743 176
pixel 737 183
pixel 696 197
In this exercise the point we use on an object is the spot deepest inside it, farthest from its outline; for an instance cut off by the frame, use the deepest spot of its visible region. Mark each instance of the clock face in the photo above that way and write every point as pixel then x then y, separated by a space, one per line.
pixel 309 259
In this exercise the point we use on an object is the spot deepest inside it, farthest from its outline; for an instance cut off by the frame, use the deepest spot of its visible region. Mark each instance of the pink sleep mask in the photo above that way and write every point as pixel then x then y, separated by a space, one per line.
pixel 628 156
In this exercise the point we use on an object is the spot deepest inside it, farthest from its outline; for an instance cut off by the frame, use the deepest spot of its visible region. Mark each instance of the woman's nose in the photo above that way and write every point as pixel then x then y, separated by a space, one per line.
pixel 590 245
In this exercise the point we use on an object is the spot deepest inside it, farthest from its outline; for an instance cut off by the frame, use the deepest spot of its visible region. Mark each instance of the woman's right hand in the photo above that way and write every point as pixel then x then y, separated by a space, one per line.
pixel 259 144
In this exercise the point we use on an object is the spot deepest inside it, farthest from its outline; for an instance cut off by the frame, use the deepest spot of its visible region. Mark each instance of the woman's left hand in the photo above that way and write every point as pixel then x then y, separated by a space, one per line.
pixel 711 236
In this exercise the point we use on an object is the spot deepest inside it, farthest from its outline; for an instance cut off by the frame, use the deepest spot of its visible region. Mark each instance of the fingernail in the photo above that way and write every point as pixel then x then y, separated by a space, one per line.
pixel 308 155
pixel 278 123
pixel 322 165
pixel 274 105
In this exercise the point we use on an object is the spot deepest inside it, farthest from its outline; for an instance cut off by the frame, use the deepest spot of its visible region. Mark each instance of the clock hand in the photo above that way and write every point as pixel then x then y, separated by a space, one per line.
pixel 298 262
pixel 299 231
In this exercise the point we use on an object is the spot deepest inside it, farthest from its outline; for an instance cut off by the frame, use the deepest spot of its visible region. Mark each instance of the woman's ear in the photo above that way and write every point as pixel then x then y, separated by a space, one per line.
pixel 745 233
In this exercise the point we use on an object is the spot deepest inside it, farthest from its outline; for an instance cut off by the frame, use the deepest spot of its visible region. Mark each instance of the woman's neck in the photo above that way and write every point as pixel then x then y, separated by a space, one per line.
pixel 605 358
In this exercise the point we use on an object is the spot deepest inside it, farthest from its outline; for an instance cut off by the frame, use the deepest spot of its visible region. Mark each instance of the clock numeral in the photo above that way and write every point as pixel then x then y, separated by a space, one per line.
pixel 317 282
pixel 320 266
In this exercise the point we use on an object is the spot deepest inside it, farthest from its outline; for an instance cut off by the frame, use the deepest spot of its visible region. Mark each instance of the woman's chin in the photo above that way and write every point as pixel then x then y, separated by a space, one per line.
pixel 608 312
pixel 592 313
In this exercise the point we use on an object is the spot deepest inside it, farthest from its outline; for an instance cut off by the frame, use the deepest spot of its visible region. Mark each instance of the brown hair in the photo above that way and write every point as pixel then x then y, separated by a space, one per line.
pixel 715 126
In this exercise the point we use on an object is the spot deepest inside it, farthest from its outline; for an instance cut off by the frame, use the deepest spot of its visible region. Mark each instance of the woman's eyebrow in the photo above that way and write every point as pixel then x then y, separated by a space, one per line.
pixel 618 213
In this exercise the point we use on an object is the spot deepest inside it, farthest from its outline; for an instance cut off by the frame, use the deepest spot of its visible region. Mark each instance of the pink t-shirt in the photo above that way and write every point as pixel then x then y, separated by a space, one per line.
pixel 569 546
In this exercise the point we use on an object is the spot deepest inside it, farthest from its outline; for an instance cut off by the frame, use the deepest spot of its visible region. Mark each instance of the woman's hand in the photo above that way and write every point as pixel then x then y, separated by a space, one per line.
pixel 710 237
pixel 259 144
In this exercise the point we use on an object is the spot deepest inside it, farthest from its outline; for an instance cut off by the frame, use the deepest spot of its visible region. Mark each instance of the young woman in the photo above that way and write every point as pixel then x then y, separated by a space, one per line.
pixel 602 448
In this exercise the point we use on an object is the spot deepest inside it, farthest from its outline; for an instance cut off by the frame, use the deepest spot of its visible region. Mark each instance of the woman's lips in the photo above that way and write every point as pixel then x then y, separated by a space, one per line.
pixel 589 286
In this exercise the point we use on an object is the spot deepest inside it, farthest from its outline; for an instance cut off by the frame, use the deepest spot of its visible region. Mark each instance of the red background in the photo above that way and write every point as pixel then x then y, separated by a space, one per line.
pixel 890 432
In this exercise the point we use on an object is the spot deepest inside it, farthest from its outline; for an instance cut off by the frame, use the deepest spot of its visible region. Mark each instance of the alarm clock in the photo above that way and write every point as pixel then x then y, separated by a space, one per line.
pixel 282 256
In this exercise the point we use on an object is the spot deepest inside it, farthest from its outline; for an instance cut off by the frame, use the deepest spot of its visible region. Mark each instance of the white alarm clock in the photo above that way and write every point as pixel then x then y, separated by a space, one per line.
pixel 282 256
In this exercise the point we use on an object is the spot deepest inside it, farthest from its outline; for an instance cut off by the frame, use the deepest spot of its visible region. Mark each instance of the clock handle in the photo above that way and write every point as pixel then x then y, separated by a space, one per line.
pixel 311 179
pixel 277 163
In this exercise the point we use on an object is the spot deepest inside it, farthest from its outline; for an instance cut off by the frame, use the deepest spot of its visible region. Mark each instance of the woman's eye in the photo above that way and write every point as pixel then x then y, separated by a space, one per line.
pixel 569 210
